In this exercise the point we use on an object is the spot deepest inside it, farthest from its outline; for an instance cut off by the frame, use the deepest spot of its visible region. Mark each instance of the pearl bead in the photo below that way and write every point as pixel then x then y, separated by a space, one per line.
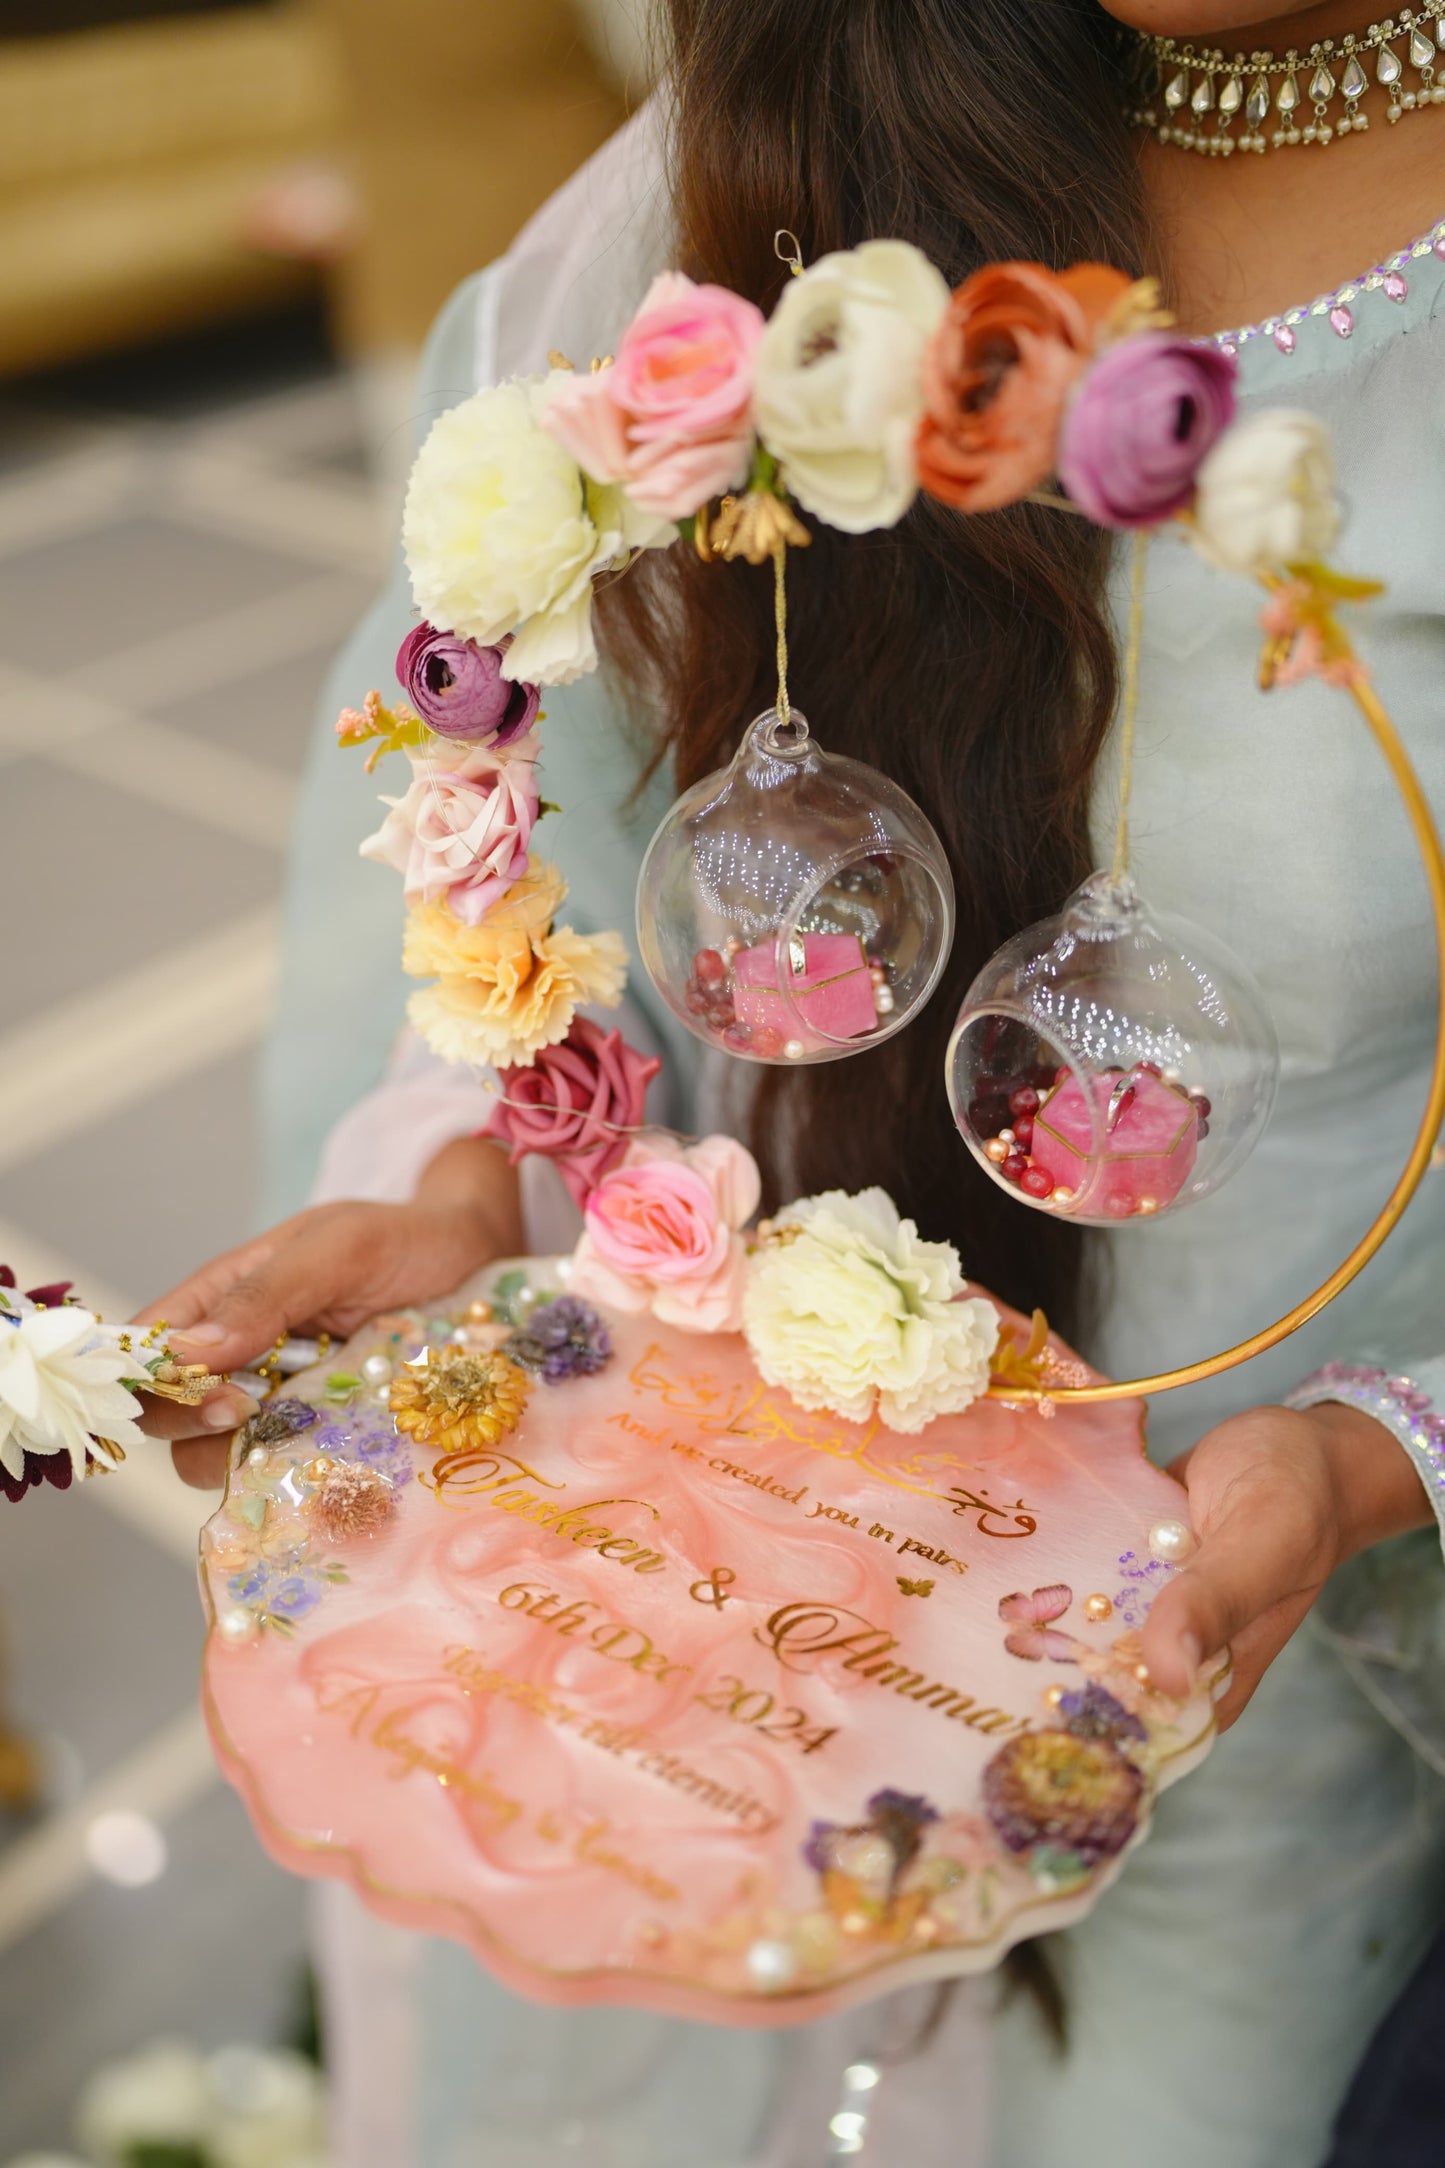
pixel 996 1150
pixel 479 1313
pixel 1006 1136
pixel 1172 1076
pixel 377 1369
pixel 256 1458
pixel 1097 1609
pixel 883 1001
pixel 794 1050
pixel 1148 1205
pixel 1170 1541
pixel 1053 1695
pixel 1063 1196
pixel 771 1965
pixel 236 1626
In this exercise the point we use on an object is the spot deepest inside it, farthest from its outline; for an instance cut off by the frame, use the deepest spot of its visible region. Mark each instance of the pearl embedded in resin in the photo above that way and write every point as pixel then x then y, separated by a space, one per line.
pixel 1170 1541
pixel 771 1965
pixel 377 1369
pixel 1097 1609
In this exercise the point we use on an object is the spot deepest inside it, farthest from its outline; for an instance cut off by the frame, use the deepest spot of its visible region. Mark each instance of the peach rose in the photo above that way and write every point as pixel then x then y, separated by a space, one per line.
pixel 671 419
pixel 664 1233
pixel 996 375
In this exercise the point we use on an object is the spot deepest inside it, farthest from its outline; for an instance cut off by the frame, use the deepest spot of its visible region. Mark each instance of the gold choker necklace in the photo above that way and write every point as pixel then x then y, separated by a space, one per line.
pixel 1192 96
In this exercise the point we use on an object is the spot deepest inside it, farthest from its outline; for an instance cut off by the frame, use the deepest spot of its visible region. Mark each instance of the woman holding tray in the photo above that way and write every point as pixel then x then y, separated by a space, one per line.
pixel 1218 2000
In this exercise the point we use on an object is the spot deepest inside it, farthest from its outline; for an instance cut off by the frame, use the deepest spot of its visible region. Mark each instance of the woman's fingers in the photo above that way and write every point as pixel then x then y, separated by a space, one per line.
pixel 269 1287
pixel 202 1462
pixel 1262 1507
pixel 221 1413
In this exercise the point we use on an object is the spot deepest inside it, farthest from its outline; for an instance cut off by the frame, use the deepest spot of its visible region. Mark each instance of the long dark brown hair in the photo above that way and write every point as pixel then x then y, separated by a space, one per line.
pixel 968 658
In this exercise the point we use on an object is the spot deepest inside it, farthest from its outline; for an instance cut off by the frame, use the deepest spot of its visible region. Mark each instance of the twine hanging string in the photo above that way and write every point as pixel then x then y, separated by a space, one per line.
pixel 780 618
pixel 1130 703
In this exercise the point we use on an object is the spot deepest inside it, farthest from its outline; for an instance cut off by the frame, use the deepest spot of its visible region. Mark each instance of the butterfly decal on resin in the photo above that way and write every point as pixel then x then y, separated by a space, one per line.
pixel 915 1588
pixel 1029 1614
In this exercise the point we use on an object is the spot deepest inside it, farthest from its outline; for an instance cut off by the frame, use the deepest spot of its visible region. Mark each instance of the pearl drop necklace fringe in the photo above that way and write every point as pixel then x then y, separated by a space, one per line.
pixel 1183 86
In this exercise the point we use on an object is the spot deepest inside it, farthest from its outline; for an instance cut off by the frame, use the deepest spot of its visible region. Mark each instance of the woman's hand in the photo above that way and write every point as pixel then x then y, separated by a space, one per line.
pixel 1277 1500
pixel 327 1270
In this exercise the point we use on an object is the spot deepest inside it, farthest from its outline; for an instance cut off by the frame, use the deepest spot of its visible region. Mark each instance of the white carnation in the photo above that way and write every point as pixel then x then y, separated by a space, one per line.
pixel 504 533
pixel 854 1312
pixel 838 391
pixel 1266 494
pixel 60 1384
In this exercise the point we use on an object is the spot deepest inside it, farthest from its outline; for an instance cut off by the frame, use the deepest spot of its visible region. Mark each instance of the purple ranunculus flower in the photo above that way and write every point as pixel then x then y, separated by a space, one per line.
pixel 458 689
pixel 1140 423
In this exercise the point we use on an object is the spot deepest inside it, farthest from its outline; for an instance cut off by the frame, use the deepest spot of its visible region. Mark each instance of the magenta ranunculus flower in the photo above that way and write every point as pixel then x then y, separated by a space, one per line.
pixel 1139 424
pixel 458 690
pixel 576 1104
pixel 672 419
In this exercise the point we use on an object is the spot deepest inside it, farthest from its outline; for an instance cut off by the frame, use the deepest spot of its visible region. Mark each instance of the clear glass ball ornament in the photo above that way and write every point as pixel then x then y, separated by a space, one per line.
pixel 795 906
pixel 1111 1065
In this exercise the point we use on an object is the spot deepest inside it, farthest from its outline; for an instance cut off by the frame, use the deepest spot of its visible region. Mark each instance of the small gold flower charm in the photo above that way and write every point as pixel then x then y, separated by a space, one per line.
pixel 755 526
pixel 458 1400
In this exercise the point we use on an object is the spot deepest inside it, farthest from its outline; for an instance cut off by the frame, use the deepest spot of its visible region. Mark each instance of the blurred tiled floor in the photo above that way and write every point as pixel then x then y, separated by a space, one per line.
pixel 183 542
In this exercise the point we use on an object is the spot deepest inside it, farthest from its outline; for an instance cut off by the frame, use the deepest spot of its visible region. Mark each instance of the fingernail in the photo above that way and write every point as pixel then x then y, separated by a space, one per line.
pixel 1191 1651
pixel 227 1411
pixel 201 1335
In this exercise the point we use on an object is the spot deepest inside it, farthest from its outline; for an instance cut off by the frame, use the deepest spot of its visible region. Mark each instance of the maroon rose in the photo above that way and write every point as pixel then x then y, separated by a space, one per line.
pixel 576 1104
pixel 458 689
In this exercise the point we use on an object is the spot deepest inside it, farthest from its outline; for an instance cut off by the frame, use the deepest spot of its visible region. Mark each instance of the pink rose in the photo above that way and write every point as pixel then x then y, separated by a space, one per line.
pixel 663 1233
pixel 462 830
pixel 672 418
pixel 575 1105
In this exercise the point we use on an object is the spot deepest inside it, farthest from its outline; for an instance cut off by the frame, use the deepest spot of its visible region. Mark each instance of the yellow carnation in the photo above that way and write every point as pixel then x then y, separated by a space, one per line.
pixel 511 985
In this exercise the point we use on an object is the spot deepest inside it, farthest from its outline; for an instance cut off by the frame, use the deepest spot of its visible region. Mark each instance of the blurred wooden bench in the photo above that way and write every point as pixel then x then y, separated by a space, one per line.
pixel 132 158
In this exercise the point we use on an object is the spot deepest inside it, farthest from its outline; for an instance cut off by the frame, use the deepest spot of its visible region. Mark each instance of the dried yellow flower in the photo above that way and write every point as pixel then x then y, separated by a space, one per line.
pixel 458 1400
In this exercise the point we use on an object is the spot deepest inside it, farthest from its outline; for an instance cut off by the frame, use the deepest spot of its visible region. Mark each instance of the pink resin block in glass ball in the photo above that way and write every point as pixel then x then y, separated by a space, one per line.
pixel 829 998
pixel 1147 1154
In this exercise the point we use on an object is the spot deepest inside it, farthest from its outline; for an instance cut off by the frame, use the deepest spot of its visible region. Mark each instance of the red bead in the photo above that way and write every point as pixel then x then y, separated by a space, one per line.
pixel 1014 1167
pixel 739 1037
pixel 1024 1132
pixel 695 999
pixel 709 965
pixel 1200 1105
pixel 1023 1101
pixel 767 1040
pixel 1037 1182
pixel 1203 1127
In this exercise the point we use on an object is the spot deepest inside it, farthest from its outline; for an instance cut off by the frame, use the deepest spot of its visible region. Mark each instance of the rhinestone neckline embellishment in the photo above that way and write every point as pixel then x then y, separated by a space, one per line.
pixel 1389 279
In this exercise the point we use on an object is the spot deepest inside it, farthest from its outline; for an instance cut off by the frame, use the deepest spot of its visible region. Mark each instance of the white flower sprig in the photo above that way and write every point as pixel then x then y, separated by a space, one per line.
pixel 63 1384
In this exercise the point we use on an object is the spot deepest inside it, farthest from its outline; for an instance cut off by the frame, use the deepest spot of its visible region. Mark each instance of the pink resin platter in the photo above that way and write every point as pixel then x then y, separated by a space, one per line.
pixel 680 1697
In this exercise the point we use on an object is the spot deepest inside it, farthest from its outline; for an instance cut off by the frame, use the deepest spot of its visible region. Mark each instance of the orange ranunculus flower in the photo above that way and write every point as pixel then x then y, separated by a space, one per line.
pixel 996 374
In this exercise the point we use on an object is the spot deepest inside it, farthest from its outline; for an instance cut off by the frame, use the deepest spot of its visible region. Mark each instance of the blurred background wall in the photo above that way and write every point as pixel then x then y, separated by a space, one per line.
pixel 167 162
pixel 224 228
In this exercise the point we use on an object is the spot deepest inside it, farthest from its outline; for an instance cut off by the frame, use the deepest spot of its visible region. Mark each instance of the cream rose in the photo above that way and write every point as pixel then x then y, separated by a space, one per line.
pixel 838 394
pixel 854 1312
pixel 504 533
pixel 1266 494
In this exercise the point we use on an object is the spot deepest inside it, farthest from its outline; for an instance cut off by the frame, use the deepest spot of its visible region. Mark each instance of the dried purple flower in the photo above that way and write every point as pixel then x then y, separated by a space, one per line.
pixel 561 1339
pixel 1052 1787
pixel 278 1419
pixel 1091 1712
